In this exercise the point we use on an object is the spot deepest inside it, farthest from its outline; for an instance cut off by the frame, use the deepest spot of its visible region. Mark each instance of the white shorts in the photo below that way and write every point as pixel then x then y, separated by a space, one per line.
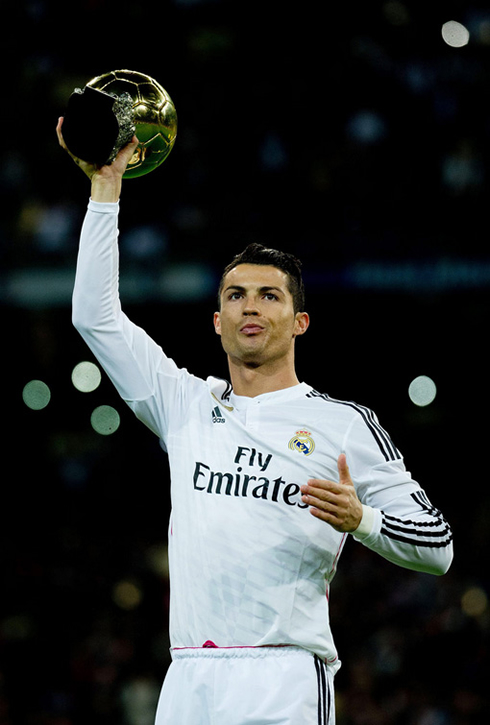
pixel 246 686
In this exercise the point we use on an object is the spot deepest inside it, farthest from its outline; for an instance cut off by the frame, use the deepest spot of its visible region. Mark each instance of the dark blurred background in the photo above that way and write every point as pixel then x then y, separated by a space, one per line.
pixel 348 133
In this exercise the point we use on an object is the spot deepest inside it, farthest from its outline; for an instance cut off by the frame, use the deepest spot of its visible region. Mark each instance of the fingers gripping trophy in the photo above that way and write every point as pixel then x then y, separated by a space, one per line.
pixel 116 111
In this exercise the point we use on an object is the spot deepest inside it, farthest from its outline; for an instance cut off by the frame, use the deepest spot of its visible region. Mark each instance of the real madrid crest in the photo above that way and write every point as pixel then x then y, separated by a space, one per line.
pixel 302 442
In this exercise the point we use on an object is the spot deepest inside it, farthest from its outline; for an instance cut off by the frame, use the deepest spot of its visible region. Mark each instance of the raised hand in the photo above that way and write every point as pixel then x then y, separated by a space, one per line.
pixel 106 180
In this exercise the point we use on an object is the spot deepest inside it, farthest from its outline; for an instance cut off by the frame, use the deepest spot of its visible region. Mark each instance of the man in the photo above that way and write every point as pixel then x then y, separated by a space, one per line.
pixel 268 477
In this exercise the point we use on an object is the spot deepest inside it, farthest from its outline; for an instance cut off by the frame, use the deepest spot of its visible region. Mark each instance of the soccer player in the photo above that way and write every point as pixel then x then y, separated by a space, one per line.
pixel 268 478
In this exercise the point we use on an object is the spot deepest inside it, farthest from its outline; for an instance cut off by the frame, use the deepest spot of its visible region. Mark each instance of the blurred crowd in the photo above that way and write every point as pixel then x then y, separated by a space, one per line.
pixel 348 135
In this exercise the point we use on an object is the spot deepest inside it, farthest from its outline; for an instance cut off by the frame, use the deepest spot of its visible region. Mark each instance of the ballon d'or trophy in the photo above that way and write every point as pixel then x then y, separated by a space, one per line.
pixel 103 117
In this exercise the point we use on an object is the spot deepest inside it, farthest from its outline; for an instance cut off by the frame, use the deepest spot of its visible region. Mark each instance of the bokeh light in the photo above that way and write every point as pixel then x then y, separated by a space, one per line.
pixel 86 377
pixel 127 595
pixel 36 394
pixel 455 34
pixel 422 390
pixel 474 602
pixel 105 420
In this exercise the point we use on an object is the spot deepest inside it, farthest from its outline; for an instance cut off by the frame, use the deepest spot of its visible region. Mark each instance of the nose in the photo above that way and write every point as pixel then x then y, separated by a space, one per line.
pixel 250 306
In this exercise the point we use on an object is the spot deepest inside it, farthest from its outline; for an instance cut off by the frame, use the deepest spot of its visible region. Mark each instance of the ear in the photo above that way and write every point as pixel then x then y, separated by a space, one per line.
pixel 217 323
pixel 302 322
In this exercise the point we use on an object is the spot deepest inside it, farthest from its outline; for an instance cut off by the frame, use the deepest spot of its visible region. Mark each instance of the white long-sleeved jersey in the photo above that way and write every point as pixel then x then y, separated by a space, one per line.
pixel 249 564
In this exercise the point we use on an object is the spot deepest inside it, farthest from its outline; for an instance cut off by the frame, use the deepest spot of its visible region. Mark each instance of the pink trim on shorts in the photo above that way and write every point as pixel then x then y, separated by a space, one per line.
pixel 209 644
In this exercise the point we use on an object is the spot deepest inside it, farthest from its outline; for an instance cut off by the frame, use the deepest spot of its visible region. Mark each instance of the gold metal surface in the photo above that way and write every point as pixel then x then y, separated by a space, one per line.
pixel 154 116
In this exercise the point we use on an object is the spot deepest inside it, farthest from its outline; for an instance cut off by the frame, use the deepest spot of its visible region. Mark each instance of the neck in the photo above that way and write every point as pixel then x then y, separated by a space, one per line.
pixel 251 381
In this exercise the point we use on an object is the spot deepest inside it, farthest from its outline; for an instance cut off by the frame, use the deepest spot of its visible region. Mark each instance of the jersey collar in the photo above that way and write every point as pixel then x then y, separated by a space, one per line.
pixel 241 402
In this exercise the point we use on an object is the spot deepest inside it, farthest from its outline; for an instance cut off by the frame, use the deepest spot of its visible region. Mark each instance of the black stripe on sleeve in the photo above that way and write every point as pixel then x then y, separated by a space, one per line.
pixel 433 533
pixel 383 440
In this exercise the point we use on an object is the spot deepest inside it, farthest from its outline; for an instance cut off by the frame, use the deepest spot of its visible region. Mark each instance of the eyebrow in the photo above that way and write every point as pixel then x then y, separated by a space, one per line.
pixel 265 288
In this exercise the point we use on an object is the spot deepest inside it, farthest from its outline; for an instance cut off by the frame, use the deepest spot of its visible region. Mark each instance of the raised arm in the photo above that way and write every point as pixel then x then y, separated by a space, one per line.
pixel 132 360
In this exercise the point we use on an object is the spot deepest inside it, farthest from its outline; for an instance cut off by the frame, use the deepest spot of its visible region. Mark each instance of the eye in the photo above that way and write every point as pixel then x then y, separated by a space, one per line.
pixel 270 296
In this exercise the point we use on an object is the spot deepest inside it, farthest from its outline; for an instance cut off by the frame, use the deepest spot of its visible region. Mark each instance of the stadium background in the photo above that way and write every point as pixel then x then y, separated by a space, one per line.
pixel 351 135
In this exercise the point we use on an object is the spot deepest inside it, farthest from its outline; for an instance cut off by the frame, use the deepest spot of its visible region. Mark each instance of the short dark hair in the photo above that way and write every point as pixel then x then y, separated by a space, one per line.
pixel 259 254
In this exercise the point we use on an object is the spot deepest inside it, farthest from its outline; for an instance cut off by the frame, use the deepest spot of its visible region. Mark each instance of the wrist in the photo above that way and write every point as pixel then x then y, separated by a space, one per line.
pixel 105 188
pixel 366 524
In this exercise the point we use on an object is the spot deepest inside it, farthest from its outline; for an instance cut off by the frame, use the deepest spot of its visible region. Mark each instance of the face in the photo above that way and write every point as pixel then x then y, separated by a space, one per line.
pixel 257 322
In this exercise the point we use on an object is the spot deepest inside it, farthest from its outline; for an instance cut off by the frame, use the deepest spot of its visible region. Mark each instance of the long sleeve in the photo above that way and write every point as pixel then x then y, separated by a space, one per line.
pixel 399 521
pixel 132 360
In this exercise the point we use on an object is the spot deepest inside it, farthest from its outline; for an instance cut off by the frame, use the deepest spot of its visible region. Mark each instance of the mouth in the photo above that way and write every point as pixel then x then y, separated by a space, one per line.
pixel 251 329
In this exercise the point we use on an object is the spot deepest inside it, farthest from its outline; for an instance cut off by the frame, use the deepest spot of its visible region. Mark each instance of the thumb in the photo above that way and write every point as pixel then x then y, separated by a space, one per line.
pixel 343 468
pixel 124 156
pixel 127 151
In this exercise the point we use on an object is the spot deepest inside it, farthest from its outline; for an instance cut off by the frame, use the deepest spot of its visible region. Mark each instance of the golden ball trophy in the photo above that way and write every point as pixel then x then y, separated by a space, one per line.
pixel 103 117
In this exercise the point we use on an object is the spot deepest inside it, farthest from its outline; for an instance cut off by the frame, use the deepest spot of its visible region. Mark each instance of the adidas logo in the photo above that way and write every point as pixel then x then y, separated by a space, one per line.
pixel 217 417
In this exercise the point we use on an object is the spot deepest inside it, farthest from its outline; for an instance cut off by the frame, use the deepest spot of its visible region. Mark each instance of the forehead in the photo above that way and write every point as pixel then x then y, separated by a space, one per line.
pixel 256 275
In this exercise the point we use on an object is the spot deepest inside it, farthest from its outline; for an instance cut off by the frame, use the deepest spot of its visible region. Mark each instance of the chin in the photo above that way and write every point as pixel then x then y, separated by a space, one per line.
pixel 248 358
